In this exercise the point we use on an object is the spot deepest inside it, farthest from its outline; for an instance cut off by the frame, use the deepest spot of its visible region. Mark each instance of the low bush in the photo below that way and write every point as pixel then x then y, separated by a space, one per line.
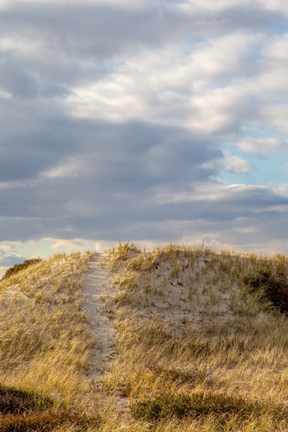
pixel 14 401
pixel 199 404
pixel 19 267
pixel 22 411
pixel 46 422
pixel 271 287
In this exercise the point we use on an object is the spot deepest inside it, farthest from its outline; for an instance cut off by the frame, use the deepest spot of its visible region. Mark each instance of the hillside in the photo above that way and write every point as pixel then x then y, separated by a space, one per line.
pixel 177 339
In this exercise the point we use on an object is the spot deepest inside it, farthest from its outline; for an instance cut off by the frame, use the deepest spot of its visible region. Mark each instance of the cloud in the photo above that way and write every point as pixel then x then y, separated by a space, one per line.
pixel 231 163
pixel 117 119
pixel 11 260
pixel 236 164
pixel 116 3
pixel 261 145
pixel 276 5
pixel 122 165
pixel 173 86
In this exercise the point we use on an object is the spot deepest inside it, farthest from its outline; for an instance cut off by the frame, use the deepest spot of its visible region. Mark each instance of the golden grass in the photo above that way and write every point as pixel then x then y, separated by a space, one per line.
pixel 188 325
pixel 197 348
pixel 45 341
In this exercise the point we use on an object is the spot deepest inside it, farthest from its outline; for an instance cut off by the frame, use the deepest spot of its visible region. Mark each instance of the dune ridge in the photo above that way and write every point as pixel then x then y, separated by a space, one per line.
pixel 175 339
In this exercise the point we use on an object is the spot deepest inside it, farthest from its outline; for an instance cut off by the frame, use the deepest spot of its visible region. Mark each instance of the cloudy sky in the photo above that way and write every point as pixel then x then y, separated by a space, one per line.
pixel 143 120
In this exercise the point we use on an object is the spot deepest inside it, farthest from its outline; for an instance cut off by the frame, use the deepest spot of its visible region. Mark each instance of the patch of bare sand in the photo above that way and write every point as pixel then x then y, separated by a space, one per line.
pixel 99 296
pixel 99 303
pixel 192 293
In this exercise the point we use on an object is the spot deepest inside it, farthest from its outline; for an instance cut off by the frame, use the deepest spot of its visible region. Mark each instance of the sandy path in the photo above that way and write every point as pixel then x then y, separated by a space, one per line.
pixel 99 298
pixel 99 303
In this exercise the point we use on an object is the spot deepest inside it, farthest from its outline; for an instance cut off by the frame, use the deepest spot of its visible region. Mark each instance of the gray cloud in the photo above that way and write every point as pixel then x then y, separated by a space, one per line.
pixel 99 175
pixel 99 34
pixel 113 159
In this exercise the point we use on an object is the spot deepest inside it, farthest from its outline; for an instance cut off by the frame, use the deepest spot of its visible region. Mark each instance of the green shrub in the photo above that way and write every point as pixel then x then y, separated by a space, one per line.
pixel 21 411
pixel 271 287
pixel 19 267
pixel 198 404
pixel 46 422
pixel 14 401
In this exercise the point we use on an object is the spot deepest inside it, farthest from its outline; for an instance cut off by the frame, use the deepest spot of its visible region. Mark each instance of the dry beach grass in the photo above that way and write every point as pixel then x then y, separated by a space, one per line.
pixel 191 328
pixel 201 341
pixel 45 344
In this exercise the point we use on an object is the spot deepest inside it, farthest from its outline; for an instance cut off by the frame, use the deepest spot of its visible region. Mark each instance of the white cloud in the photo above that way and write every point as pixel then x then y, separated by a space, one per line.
pixel 71 244
pixel 270 81
pixel 231 163
pixel 21 45
pixel 214 6
pixel 237 164
pixel 7 247
pixel 261 145
pixel 173 86
pixel 5 95
pixel 72 168
pixel 12 185
pixel 276 49
pixel 180 79
pixel 280 189
pixel 275 5
pixel 277 116
pixel 191 6
pixel 215 192
pixel 135 4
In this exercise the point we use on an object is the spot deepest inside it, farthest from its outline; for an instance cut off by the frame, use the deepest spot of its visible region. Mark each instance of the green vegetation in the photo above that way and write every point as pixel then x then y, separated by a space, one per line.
pixel 195 405
pixel 46 422
pixel 271 286
pixel 19 267
pixel 14 401
pixel 23 411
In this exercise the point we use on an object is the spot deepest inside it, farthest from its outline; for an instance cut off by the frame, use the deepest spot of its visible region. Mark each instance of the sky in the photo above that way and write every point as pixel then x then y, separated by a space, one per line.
pixel 150 121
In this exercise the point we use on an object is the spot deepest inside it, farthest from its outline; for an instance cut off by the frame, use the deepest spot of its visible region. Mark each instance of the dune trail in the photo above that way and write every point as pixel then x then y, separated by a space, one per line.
pixel 99 303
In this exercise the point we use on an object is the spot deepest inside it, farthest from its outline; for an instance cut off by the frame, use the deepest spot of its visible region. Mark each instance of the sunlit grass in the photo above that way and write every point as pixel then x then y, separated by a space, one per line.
pixel 190 326
pixel 45 342
pixel 201 346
